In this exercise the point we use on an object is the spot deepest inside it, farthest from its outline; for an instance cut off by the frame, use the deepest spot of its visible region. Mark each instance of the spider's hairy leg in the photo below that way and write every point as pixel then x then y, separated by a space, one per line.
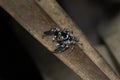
pixel 60 50
pixel 47 33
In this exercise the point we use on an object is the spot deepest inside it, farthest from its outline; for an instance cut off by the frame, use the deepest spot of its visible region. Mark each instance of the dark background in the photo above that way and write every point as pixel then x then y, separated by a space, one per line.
pixel 15 64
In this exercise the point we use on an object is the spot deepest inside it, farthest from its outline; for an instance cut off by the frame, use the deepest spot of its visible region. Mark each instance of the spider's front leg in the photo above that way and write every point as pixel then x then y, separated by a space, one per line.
pixel 47 33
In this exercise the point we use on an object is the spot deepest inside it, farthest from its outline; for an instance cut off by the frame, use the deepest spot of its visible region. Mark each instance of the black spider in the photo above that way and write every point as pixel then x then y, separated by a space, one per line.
pixel 63 38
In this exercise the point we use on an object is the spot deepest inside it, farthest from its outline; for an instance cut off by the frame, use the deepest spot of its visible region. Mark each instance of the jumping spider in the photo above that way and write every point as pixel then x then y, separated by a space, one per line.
pixel 63 38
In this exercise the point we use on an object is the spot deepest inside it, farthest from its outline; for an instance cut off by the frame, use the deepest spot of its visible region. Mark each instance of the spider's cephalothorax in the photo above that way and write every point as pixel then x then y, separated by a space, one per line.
pixel 64 39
